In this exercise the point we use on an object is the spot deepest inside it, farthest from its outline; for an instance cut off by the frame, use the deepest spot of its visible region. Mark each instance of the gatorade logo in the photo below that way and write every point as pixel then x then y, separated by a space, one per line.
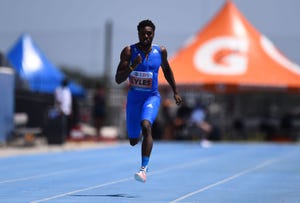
pixel 222 56
pixel 227 56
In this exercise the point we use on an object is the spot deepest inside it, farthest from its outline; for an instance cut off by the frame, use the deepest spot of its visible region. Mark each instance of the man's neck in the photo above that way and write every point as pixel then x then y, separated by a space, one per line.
pixel 145 49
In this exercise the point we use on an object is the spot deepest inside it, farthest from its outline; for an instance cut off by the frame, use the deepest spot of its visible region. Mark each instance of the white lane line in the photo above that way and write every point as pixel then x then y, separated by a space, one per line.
pixel 46 175
pixel 35 176
pixel 184 165
pixel 262 165
pixel 119 181
pixel 81 190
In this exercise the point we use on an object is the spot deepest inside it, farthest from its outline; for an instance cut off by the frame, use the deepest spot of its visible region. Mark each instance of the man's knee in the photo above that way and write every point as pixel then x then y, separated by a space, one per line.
pixel 146 128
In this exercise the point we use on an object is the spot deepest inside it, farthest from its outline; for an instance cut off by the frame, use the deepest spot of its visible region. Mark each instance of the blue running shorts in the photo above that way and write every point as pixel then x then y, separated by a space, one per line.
pixel 140 106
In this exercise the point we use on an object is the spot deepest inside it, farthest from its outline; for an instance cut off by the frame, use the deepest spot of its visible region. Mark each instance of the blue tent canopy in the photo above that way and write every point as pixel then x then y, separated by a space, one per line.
pixel 33 66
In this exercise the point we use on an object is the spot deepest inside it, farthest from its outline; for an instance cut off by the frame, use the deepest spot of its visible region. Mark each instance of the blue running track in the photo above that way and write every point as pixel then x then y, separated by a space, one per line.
pixel 179 172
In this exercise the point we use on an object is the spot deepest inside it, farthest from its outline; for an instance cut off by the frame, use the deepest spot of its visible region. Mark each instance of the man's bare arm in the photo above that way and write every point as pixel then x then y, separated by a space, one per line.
pixel 168 73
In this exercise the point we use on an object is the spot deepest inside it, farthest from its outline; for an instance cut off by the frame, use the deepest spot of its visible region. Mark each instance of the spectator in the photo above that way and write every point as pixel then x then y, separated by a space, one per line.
pixel 286 125
pixel 167 120
pixel 181 120
pixel 198 119
pixel 99 106
pixel 63 102
pixel 239 129
pixel 3 60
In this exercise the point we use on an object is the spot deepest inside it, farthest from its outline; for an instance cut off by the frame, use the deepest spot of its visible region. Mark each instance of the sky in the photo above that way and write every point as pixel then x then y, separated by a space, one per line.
pixel 72 32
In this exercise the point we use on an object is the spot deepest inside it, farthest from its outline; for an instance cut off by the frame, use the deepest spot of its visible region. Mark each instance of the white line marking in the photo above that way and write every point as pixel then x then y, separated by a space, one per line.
pixel 81 190
pixel 262 165
pixel 119 181
pixel 188 164
pixel 45 175
pixel 34 177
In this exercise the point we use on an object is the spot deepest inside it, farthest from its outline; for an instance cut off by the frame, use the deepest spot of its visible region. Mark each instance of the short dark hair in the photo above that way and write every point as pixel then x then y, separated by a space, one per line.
pixel 145 23
pixel 65 82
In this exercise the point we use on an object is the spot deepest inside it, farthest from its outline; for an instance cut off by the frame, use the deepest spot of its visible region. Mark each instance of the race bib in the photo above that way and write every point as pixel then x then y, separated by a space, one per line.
pixel 141 80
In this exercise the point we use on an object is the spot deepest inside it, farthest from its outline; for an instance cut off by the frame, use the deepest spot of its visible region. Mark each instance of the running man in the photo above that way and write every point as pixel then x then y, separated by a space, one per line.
pixel 140 63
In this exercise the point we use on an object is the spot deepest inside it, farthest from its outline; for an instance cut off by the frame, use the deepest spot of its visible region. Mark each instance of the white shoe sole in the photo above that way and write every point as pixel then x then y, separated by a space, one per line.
pixel 137 177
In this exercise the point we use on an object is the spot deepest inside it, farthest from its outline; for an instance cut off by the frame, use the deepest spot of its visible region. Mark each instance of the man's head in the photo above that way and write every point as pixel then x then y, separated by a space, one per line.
pixel 145 23
pixel 146 29
pixel 65 82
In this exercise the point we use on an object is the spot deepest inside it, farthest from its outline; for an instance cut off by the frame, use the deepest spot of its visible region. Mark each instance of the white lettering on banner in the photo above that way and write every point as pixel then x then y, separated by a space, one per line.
pixel 271 50
pixel 222 56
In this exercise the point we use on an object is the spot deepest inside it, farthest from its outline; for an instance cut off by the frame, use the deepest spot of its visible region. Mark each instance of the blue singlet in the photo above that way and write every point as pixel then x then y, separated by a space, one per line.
pixel 143 98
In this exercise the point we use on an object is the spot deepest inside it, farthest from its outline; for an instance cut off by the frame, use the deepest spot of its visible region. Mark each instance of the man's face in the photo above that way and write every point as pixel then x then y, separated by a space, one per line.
pixel 146 36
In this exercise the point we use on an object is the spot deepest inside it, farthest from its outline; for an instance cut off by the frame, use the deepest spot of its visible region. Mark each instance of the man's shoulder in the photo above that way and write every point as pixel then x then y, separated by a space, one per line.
pixel 156 46
pixel 161 48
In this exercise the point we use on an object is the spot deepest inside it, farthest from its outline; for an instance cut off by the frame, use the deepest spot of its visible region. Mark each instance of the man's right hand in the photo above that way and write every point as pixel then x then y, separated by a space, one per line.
pixel 138 60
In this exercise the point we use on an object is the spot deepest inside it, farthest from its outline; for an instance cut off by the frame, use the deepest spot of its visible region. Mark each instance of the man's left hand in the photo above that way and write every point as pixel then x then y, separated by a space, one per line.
pixel 178 99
